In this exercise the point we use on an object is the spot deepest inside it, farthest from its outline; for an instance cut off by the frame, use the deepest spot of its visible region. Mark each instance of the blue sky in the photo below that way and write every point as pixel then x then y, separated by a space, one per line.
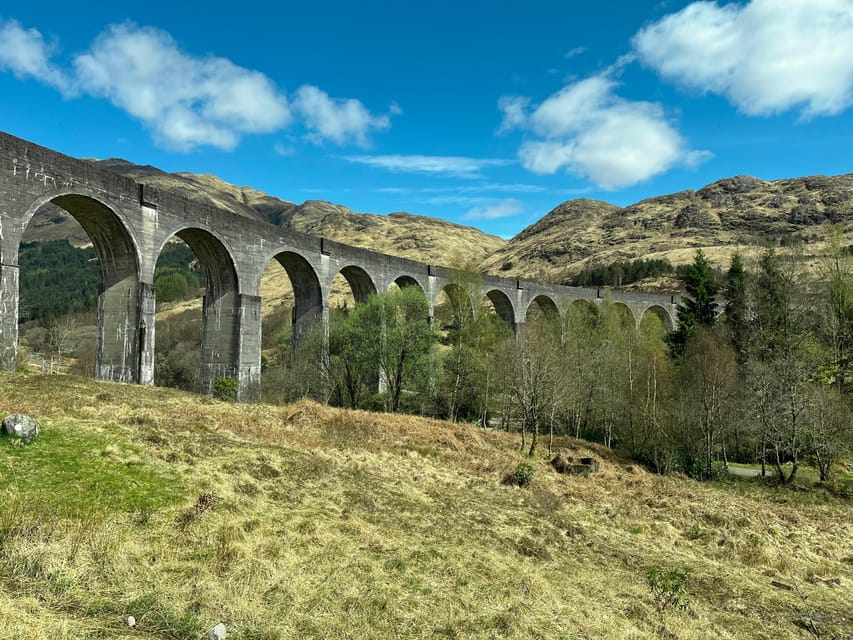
pixel 484 113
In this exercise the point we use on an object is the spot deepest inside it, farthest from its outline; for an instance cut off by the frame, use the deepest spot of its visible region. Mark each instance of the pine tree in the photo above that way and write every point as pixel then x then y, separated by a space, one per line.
pixel 697 308
pixel 736 306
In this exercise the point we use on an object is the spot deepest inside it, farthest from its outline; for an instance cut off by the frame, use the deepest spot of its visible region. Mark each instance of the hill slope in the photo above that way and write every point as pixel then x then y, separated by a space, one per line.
pixel 309 522
pixel 717 218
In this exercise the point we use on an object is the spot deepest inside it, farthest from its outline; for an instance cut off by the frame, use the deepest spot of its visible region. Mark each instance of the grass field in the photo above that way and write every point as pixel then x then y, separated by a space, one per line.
pixel 309 522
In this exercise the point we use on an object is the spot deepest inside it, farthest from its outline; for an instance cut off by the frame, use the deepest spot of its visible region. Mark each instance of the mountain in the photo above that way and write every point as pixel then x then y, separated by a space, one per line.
pixel 725 215
pixel 430 240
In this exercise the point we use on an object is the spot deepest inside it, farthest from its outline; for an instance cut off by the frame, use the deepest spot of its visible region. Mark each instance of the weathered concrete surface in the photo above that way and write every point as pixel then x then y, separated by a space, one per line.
pixel 129 223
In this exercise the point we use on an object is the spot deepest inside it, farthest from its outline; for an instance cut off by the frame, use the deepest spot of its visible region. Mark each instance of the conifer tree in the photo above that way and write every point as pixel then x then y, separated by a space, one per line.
pixel 697 308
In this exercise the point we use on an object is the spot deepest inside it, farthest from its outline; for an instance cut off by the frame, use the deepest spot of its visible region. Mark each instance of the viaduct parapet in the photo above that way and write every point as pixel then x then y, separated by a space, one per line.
pixel 129 223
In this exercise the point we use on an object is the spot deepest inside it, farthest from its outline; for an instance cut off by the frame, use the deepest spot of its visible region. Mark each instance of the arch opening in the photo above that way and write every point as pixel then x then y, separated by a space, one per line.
pixel 500 303
pixel 360 283
pixel 197 297
pixel 661 314
pixel 624 316
pixel 542 307
pixel 292 323
pixel 79 290
pixel 452 308
pixel 407 281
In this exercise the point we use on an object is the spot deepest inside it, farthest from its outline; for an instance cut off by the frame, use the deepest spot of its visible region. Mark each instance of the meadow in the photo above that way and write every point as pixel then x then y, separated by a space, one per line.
pixel 304 521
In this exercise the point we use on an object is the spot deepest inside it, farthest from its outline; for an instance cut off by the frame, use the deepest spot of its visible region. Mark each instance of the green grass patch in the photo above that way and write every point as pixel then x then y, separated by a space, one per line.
pixel 69 469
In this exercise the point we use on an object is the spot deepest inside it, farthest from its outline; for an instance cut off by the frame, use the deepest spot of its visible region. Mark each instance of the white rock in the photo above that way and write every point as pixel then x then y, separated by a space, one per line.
pixel 217 633
pixel 131 621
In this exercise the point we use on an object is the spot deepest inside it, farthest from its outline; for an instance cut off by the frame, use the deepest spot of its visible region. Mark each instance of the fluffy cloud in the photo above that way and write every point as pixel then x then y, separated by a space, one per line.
pixel 766 57
pixel 25 53
pixel 495 210
pixel 456 166
pixel 186 101
pixel 588 130
pixel 337 120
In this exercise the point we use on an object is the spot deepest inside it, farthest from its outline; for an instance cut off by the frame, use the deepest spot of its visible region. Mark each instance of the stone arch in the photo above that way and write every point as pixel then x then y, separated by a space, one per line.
pixel 359 281
pixel 307 293
pixel 407 281
pixel 662 314
pixel 460 302
pixel 545 304
pixel 625 315
pixel 503 307
pixel 118 349
pixel 581 311
pixel 220 340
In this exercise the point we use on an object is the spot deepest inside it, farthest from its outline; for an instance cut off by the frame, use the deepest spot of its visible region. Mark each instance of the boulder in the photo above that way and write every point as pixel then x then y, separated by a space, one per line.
pixel 582 467
pixel 217 633
pixel 20 426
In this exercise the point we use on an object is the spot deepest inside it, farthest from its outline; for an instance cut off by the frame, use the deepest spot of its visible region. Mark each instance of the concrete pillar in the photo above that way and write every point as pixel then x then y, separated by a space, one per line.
pixel 146 333
pixel 8 317
pixel 118 331
pixel 249 374
pixel 220 339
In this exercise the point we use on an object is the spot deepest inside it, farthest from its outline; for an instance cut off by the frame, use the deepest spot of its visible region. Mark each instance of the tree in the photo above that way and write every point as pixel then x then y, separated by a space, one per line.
pixel 735 292
pixel 390 334
pixel 708 377
pixel 837 317
pixel 783 357
pixel 530 375
pixel 697 307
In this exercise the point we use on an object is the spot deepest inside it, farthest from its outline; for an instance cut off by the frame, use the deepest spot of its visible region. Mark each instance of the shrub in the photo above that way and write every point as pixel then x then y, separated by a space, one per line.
pixel 522 476
pixel 719 470
pixel 668 588
pixel 225 388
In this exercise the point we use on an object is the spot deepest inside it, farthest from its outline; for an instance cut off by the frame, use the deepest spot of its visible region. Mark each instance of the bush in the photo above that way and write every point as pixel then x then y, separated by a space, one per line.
pixel 225 388
pixel 719 470
pixel 522 476
pixel 668 588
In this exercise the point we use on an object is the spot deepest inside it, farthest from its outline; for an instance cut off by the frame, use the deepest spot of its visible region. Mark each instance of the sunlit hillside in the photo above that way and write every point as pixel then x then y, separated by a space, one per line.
pixel 309 522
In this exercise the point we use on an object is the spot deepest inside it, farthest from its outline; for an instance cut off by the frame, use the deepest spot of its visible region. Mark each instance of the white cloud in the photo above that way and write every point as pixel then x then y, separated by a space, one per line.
pixel 456 166
pixel 25 53
pixel 767 56
pixel 514 110
pixel 588 130
pixel 338 120
pixel 495 210
pixel 185 100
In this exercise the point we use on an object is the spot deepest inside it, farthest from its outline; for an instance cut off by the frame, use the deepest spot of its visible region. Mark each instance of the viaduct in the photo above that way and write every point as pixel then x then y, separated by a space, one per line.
pixel 129 223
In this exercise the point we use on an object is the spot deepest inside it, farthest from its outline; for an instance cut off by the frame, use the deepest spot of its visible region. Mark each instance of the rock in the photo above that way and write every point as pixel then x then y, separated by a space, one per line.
pixel 131 621
pixel 217 633
pixel 583 467
pixel 21 426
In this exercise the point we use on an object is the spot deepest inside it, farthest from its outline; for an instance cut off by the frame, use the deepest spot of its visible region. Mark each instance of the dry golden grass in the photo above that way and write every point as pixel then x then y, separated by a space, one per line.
pixel 310 522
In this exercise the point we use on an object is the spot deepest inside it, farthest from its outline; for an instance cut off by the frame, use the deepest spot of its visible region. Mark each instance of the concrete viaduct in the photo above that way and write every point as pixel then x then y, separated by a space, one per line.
pixel 129 223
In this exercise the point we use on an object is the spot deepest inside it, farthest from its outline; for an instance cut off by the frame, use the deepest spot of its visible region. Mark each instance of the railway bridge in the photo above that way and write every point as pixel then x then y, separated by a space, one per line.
pixel 130 222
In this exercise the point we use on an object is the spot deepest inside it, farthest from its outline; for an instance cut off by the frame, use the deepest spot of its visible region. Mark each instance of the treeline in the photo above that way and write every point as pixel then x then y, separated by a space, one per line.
pixel 57 279
pixel 625 272
pixel 767 377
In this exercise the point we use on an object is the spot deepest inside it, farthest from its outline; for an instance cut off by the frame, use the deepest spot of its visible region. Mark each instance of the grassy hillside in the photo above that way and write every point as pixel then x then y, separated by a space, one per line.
pixel 308 522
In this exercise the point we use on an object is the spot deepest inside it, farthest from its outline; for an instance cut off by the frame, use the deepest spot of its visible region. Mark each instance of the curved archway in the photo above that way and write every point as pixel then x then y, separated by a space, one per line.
pixel 220 318
pixel 307 307
pixel 503 307
pixel 407 281
pixel 543 306
pixel 453 306
pixel 117 349
pixel 662 315
pixel 359 282
pixel 625 315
